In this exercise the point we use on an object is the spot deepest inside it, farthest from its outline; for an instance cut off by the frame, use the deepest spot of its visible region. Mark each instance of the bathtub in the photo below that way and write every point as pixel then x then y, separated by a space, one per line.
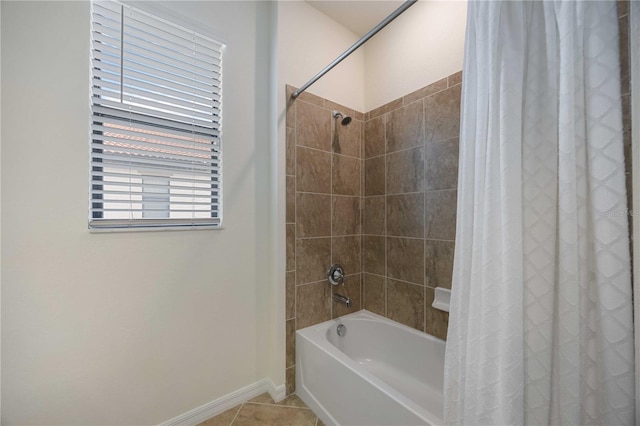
pixel 379 373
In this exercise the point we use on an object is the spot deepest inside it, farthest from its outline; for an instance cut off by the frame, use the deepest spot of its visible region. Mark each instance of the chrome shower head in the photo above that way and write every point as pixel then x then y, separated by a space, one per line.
pixel 345 118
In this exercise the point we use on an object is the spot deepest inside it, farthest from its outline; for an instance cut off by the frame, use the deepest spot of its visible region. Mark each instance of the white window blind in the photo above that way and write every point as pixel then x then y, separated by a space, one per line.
pixel 156 110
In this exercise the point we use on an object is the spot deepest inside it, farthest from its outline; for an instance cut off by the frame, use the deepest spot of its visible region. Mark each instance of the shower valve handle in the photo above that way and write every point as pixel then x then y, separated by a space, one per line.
pixel 335 274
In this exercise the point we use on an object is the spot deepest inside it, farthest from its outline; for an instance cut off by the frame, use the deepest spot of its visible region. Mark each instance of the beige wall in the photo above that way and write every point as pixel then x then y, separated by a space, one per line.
pixel 125 328
pixel 421 46
pixel 308 41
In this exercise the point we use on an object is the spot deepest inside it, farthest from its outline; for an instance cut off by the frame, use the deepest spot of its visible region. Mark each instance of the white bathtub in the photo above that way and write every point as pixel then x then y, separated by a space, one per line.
pixel 379 373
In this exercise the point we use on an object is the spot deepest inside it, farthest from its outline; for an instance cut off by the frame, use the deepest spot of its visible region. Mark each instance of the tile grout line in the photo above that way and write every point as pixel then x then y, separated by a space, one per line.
pixel 333 129
pixel 326 152
pixel 385 120
pixel 236 416
pixel 424 217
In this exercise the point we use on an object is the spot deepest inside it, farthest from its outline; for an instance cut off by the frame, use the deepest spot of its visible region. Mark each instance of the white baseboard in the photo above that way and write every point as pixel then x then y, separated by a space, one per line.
pixel 213 408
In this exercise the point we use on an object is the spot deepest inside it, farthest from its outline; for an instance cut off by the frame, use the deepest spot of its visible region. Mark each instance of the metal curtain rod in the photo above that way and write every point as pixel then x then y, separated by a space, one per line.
pixel 406 5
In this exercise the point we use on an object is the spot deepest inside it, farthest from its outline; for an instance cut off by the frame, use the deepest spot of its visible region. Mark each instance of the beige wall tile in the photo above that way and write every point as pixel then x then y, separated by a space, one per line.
pixel 334 106
pixel 291 247
pixel 290 380
pixel 454 79
pixel 290 199
pixel 374 215
pixel 313 171
pixel 623 41
pixel 442 165
pixel 405 127
pixel 290 120
pixel 347 140
pixel 313 304
pixel 374 176
pixel 623 7
pixel 313 125
pixel 374 137
pixel 374 254
pixel 405 171
pixel 346 251
pixel 290 343
pixel 290 289
pixel 439 263
pixel 405 215
pixel 442 115
pixel 405 259
pixel 384 109
pixel 425 91
pixel 309 97
pixel 374 293
pixel 437 321
pixel 313 258
pixel 291 152
pixel 346 175
pixel 405 303
pixel 313 215
pixel 440 214
pixel 346 215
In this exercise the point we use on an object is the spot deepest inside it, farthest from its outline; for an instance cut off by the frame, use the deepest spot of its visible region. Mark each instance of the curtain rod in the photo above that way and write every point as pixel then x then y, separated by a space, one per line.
pixel 406 5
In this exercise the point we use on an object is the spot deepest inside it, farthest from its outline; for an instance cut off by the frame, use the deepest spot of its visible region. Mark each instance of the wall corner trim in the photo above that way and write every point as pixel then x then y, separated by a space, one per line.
pixel 213 408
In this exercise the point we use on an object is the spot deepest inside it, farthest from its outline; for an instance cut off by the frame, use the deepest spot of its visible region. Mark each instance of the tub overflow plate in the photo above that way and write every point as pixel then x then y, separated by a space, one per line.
pixel 341 330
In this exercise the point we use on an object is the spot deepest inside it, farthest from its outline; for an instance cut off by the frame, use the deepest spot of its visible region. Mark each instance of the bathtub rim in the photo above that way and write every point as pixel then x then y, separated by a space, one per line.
pixel 316 336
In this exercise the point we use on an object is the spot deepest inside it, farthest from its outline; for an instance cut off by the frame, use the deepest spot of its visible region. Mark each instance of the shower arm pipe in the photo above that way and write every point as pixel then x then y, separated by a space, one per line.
pixel 406 5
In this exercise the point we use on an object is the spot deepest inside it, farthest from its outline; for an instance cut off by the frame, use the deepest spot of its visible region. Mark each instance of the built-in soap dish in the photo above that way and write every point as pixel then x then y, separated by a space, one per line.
pixel 441 299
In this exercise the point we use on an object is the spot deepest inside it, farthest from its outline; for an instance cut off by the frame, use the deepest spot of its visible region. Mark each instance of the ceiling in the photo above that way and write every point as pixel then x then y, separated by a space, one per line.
pixel 359 16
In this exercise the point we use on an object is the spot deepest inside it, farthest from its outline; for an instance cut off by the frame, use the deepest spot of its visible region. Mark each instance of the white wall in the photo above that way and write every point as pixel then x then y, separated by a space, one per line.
pixel 421 46
pixel 126 328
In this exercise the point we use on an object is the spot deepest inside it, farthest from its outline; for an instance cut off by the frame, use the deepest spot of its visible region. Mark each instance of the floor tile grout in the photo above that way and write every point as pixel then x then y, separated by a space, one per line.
pixel 236 416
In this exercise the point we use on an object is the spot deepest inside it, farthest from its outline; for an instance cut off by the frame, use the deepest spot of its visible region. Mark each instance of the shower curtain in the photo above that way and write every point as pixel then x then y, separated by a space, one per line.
pixel 540 327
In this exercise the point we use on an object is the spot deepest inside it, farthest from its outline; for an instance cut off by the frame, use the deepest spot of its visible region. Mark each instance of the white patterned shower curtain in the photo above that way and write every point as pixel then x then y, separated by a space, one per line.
pixel 540 328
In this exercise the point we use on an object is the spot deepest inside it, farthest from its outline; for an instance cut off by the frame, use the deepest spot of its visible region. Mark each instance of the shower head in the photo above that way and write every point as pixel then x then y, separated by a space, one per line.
pixel 345 118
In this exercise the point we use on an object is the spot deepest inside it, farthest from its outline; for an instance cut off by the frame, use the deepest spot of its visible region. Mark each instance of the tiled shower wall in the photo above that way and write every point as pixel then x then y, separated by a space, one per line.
pixel 380 198
pixel 324 184
pixel 625 85
pixel 411 174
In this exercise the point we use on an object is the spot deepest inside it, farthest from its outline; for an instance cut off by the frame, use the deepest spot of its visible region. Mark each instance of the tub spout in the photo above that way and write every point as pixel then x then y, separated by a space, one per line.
pixel 340 298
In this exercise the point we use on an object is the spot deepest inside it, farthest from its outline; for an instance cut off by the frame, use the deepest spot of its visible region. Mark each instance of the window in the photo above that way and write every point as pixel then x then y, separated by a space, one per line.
pixel 155 126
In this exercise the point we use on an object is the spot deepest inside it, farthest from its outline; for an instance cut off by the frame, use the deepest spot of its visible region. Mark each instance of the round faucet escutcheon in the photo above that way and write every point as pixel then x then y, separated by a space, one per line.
pixel 335 274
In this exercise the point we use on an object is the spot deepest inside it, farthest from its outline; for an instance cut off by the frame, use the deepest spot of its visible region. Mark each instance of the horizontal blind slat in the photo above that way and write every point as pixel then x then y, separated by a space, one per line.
pixel 106 114
pixel 153 101
pixel 151 54
pixel 179 141
pixel 171 31
pixel 109 176
pixel 156 43
pixel 105 67
pixel 169 113
pixel 125 159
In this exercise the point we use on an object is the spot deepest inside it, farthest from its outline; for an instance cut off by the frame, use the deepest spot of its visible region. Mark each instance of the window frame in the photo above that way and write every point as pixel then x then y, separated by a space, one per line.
pixel 97 201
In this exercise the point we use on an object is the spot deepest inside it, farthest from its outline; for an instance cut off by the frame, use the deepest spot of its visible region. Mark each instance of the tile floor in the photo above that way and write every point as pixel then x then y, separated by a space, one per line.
pixel 262 410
